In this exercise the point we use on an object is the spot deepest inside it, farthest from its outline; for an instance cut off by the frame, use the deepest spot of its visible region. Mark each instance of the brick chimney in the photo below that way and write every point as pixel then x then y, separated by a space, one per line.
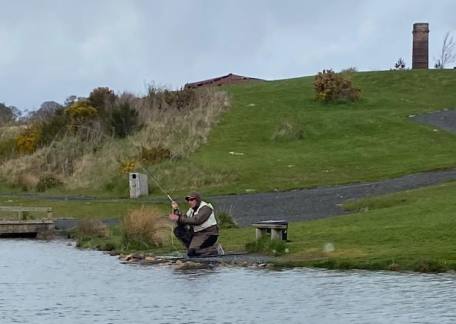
pixel 420 55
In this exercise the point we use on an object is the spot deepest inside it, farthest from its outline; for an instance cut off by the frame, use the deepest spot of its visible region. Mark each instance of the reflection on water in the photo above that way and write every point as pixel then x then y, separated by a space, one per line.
pixel 50 282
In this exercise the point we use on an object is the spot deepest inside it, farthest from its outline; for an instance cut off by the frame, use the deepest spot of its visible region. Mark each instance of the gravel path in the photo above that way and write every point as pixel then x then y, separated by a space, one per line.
pixel 317 203
pixel 296 205
pixel 445 119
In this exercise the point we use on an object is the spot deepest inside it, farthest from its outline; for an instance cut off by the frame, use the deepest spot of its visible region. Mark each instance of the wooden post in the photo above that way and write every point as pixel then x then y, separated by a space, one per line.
pixel 49 213
pixel 276 234
pixel 259 233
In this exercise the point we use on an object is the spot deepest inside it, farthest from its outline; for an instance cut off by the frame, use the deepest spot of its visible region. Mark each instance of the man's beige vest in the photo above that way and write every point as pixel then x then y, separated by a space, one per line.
pixel 211 221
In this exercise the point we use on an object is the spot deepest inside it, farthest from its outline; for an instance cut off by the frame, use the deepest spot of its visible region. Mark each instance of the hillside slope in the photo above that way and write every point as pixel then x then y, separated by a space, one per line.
pixel 277 137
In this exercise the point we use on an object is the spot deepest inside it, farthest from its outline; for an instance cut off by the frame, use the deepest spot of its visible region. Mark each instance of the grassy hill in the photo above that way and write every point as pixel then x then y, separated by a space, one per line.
pixel 280 138
pixel 275 136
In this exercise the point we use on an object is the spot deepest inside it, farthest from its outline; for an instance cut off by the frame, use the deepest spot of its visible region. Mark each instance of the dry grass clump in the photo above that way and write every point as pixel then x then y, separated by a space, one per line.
pixel 288 131
pixel 25 181
pixel 92 228
pixel 58 159
pixel 8 132
pixel 145 228
pixel 23 173
pixel 180 130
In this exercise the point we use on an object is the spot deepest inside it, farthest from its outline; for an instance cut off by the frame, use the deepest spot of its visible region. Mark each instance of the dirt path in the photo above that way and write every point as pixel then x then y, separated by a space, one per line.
pixel 444 119
pixel 317 203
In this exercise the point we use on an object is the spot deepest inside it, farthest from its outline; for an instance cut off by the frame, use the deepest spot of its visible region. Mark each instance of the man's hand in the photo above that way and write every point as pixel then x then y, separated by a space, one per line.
pixel 174 205
pixel 173 217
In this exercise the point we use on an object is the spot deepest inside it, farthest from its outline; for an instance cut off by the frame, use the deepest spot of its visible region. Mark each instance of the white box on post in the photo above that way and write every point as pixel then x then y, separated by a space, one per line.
pixel 138 185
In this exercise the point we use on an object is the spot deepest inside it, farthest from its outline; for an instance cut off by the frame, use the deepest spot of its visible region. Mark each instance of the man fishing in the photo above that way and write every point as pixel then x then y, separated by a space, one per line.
pixel 197 229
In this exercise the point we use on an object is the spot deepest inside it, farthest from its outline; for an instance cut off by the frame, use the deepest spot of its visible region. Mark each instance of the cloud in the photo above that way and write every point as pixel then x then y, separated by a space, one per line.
pixel 53 49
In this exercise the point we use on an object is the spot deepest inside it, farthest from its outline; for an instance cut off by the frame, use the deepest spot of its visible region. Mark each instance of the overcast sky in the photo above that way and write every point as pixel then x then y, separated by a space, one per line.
pixel 51 49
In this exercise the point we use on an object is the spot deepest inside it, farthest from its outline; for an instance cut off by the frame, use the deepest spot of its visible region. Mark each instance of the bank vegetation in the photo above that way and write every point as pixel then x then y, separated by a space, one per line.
pixel 93 142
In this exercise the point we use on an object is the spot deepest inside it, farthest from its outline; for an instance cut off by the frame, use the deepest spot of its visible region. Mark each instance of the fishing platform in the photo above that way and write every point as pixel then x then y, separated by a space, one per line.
pixel 23 227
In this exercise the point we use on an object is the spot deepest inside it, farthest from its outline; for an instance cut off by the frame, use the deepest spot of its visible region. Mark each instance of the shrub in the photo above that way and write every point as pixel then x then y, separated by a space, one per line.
pixel 26 181
pixel 128 166
pixel 332 87
pixel 80 112
pixel 89 228
pixel 400 64
pixel 144 228
pixel 181 99
pixel 101 98
pixel 351 69
pixel 27 142
pixel 124 120
pixel 155 154
pixel 429 265
pixel 185 98
pixel 7 149
pixel 225 220
pixel 53 126
pixel 46 182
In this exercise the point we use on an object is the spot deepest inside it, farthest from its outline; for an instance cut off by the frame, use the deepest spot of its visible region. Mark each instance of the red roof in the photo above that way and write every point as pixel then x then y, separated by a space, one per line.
pixel 229 78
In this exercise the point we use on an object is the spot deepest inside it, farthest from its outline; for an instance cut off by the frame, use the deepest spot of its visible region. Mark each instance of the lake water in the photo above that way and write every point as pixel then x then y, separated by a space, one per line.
pixel 51 282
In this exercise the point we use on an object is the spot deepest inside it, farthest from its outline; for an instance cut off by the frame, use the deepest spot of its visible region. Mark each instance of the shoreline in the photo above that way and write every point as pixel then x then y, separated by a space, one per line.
pixel 255 261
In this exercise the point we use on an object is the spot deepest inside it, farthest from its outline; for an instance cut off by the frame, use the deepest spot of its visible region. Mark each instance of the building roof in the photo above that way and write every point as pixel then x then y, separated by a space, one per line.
pixel 221 79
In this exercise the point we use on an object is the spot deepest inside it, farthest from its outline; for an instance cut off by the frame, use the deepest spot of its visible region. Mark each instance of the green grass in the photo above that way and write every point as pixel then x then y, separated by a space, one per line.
pixel 94 209
pixel 412 230
pixel 333 143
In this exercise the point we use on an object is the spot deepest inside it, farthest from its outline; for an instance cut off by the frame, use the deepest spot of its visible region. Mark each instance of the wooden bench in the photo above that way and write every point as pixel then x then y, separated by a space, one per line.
pixel 277 228
pixel 21 209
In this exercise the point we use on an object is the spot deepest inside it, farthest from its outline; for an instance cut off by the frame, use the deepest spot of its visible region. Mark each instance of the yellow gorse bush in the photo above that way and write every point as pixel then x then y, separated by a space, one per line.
pixel 27 142
pixel 80 112
pixel 127 166
pixel 332 87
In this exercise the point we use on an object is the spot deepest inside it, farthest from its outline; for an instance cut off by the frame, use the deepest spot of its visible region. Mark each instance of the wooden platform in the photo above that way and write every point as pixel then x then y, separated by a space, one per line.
pixel 20 210
pixel 23 226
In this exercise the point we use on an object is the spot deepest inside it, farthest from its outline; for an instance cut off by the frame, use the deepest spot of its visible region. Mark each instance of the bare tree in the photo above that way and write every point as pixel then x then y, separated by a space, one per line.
pixel 447 54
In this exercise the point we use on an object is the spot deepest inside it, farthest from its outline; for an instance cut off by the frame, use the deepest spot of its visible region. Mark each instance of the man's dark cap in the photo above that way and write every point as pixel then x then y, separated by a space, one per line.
pixel 195 195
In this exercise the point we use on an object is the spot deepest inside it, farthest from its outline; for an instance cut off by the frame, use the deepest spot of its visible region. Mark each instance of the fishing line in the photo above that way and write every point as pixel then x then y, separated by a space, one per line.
pixel 158 185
